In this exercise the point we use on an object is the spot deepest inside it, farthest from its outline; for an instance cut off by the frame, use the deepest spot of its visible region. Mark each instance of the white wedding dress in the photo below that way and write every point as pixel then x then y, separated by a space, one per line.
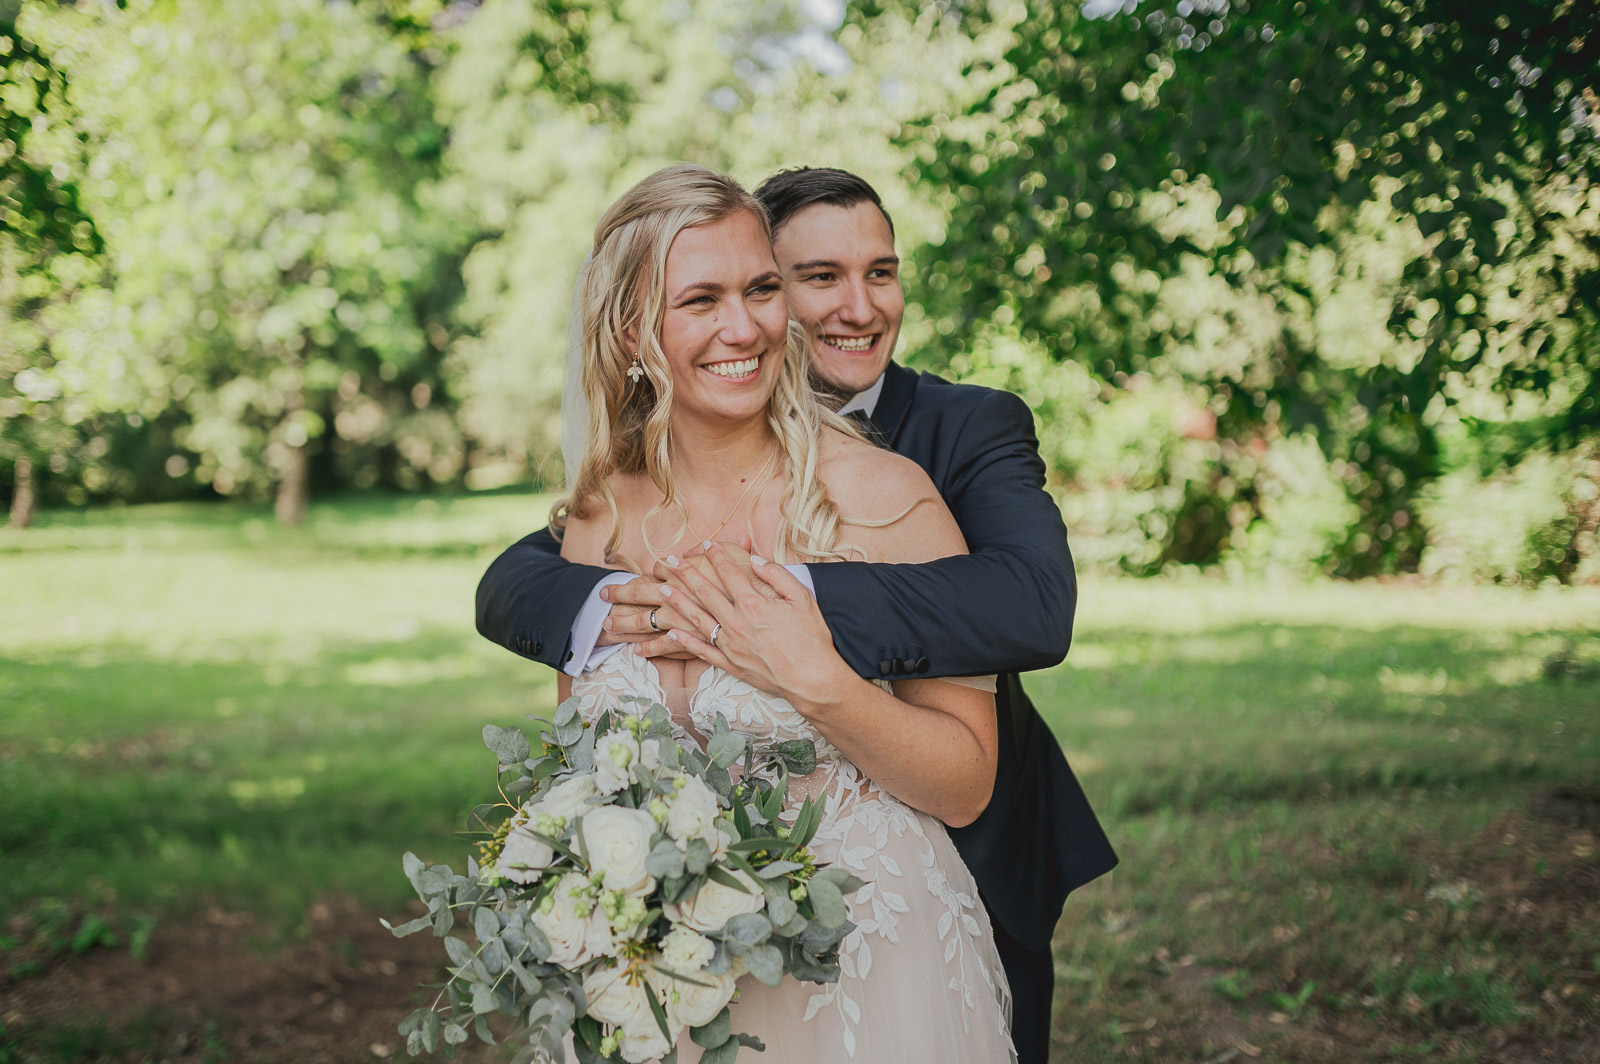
pixel 920 978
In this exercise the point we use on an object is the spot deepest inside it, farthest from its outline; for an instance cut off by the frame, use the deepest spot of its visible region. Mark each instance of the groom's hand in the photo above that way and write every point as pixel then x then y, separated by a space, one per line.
pixel 629 618
pixel 770 632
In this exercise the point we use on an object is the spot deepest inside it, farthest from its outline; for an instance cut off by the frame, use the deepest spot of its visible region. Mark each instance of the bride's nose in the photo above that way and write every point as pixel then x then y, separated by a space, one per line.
pixel 737 326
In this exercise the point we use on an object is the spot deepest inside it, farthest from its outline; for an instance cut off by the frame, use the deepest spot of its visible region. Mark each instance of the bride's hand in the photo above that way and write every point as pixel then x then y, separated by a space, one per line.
pixel 771 634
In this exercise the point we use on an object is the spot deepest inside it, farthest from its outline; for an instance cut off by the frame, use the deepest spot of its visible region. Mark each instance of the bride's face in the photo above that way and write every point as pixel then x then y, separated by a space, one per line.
pixel 724 331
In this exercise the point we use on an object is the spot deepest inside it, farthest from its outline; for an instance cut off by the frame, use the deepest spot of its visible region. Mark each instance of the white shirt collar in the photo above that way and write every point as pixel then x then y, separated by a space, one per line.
pixel 866 401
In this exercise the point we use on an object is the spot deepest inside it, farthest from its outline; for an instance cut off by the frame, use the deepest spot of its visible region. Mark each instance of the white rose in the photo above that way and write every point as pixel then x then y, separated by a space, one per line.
pixel 714 904
pixel 523 858
pixel 692 812
pixel 642 1040
pixel 567 931
pixel 567 799
pixel 599 939
pixel 614 755
pixel 614 1001
pixel 686 950
pixel 698 1005
pixel 617 841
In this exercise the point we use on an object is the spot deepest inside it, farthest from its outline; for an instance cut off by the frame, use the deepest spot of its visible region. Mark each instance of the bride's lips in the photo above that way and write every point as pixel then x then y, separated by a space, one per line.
pixel 853 346
pixel 735 370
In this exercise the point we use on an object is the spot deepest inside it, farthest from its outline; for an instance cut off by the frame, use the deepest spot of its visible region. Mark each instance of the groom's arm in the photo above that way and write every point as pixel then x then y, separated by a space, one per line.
pixel 530 597
pixel 1006 607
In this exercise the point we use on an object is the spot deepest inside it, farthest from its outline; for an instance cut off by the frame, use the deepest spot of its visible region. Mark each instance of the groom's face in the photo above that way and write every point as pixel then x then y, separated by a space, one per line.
pixel 842 278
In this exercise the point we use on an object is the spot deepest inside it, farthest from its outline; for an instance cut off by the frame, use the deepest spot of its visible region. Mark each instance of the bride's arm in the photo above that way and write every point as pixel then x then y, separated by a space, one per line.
pixel 932 744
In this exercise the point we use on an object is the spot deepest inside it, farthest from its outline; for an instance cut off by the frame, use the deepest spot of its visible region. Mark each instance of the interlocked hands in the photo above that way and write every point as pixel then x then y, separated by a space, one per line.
pixel 769 631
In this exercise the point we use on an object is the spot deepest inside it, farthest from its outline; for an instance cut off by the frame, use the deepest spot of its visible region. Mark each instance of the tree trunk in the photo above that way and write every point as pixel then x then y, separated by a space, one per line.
pixel 24 497
pixel 294 488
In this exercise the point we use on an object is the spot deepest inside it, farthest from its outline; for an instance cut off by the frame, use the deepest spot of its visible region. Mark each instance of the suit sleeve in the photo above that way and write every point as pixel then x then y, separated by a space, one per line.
pixel 1005 607
pixel 530 596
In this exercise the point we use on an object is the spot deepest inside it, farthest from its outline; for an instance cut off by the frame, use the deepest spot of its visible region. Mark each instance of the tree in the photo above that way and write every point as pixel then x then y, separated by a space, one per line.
pixel 44 236
pixel 270 231
pixel 1085 140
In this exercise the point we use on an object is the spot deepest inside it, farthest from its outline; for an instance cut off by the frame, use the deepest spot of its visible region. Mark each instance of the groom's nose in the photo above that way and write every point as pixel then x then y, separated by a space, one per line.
pixel 855 307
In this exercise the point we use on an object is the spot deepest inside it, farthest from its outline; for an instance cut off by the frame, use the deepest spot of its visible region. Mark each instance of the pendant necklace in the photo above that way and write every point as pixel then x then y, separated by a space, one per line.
pixel 757 479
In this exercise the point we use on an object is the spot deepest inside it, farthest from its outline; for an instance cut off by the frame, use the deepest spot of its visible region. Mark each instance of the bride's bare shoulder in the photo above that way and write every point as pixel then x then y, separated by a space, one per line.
pixel 589 523
pixel 872 485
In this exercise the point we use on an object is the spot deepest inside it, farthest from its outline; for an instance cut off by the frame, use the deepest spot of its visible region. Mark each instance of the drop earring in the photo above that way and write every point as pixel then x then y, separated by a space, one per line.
pixel 635 369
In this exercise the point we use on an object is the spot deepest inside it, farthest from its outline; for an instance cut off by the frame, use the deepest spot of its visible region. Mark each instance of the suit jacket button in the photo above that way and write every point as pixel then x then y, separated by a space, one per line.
pixel 899 666
pixel 538 646
pixel 885 667
pixel 921 665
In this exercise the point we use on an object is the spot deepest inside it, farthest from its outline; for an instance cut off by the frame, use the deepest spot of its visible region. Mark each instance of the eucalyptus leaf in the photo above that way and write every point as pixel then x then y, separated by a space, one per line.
pixel 827 902
pixel 480 1027
pixel 847 883
pixel 483 999
pixel 748 928
pixel 714 1033
pixel 697 856
pixel 410 927
pixel 454 1034
pixel 485 924
pixel 665 860
pixel 722 1054
pixel 765 963
pixel 460 953
pixel 725 747
pixel 432 1028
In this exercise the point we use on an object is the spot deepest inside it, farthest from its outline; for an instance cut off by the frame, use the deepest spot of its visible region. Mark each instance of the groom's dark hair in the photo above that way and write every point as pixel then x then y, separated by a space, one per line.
pixel 788 192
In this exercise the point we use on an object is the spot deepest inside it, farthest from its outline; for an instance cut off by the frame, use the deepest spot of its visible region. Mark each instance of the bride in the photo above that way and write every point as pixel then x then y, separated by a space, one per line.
pixel 701 423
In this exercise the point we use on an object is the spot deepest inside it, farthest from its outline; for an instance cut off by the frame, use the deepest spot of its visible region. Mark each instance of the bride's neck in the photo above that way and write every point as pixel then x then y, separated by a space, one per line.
pixel 719 455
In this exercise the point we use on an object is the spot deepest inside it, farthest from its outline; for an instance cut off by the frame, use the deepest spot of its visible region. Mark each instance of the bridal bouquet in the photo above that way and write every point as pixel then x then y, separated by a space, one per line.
pixel 624 887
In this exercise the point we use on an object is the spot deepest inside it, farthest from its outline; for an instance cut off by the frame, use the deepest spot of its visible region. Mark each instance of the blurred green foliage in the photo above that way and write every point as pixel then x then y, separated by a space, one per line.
pixel 1291 287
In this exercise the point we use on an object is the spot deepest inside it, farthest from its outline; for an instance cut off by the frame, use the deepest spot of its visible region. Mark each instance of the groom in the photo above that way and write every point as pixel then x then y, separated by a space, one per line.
pixel 1007 607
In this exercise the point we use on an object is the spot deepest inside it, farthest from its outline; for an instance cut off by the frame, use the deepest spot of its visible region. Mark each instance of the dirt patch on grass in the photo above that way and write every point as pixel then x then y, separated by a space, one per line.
pixel 207 990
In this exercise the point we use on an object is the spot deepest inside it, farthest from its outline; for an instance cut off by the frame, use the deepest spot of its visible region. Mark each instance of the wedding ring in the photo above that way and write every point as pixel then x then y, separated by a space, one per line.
pixel 654 627
pixel 716 630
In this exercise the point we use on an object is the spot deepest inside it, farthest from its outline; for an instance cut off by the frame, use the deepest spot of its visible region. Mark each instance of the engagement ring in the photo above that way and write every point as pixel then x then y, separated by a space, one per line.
pixel 716 630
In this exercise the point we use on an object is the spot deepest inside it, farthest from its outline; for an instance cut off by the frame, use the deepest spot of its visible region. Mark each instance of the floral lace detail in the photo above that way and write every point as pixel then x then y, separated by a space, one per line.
pixel 858 824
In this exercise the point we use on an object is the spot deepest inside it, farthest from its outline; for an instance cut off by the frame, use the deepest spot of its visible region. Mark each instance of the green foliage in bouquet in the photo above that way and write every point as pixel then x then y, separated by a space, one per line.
pixel 625 885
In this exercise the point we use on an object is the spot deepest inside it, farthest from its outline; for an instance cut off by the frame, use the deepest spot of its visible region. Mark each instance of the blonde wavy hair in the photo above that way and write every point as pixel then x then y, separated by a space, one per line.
pixel 622 288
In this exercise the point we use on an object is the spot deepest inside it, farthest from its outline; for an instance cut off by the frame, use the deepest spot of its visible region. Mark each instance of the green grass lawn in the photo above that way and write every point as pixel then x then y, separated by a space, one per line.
pixel 1356 821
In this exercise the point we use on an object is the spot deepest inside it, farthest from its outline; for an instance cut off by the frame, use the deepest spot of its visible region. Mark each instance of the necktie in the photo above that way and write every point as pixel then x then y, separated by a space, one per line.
pixel 869 428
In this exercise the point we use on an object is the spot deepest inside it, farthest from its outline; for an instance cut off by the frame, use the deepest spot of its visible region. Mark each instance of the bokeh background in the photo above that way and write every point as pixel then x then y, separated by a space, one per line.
pixel 1303 295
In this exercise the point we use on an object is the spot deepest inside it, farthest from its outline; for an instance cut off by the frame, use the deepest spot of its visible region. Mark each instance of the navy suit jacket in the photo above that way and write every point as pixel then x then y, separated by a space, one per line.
pixel 1007 607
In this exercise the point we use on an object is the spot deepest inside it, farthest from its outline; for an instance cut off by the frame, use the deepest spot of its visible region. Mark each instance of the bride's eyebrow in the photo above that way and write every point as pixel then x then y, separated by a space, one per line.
pixel 713 288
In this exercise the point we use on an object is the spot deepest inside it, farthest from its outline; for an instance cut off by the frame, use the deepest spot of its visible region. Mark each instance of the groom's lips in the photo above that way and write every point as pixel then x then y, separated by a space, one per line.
pixel 855 346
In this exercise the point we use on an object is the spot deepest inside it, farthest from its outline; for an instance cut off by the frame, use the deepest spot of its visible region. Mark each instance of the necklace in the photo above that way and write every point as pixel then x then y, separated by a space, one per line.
pixel 757 479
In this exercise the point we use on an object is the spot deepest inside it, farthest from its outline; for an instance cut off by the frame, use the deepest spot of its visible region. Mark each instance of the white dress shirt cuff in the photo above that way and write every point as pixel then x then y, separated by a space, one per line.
pixel 803 574
pixel 587 627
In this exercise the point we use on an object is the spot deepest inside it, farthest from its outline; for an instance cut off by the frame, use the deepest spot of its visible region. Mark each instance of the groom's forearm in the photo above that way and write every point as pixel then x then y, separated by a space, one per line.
pixel 530 596
pixel 962 616
pixel 1006 607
